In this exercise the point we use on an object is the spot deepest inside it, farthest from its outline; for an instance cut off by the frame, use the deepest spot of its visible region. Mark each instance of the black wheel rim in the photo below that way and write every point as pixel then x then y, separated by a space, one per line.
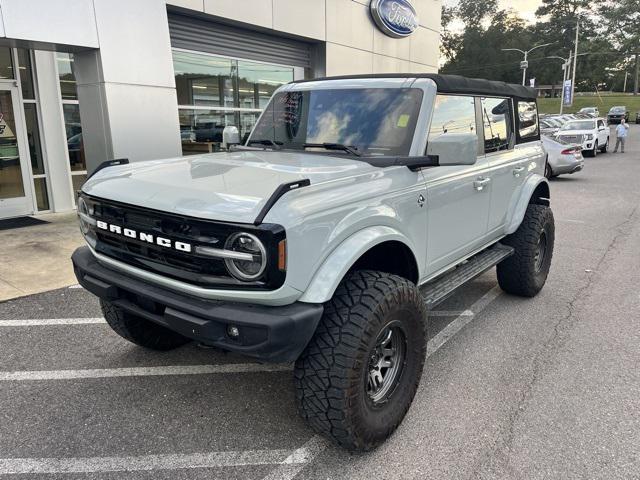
pixel 541 252
pixel 386 362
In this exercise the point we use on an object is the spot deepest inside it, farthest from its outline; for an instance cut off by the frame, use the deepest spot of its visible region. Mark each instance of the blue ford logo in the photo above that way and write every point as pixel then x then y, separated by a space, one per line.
pixel 396 18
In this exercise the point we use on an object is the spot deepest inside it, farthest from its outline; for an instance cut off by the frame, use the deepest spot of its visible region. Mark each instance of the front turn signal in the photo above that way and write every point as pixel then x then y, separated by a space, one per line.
pixel 282 255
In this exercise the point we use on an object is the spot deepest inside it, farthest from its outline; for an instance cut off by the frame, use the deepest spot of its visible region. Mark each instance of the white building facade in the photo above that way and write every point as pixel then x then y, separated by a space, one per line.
pixel 84 81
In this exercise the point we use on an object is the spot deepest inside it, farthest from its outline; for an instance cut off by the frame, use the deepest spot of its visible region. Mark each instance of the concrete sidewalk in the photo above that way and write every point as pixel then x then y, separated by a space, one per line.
pixel 36 259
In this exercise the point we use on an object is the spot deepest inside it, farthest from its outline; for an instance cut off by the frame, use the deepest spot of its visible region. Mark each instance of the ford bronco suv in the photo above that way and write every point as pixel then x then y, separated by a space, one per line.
pixel 356 205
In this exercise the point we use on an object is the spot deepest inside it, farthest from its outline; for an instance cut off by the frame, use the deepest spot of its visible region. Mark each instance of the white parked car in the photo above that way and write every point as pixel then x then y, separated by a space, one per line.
pixel 592 134
pixel 561 157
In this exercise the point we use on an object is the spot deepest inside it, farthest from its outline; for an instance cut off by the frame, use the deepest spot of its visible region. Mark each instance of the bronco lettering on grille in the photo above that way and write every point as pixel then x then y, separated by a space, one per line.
pixel 144 237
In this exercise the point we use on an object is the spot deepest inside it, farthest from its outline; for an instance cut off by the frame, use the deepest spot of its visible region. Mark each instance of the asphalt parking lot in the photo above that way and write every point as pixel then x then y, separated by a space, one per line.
pixel 513 388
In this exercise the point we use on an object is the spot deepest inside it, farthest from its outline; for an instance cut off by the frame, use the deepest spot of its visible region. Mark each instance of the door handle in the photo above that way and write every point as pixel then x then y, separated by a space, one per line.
pixel 480 183
pixel 517 171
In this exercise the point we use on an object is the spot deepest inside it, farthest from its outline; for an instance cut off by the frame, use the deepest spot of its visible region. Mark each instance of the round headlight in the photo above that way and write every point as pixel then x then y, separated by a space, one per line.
pixel 252 266
pixel 83 213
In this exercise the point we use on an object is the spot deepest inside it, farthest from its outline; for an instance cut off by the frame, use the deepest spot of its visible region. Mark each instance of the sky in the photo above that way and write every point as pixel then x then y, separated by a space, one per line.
pixel 525 8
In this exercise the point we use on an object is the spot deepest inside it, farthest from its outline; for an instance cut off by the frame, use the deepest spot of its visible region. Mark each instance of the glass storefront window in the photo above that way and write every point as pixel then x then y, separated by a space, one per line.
pixel 33 138
pixel 11 185
pixel 258 81
pixel 26 76
pixel 67 76
pixel 240 89
pixel 75 144
pixel 6 63
pixel 201 130
pixel 42 197
pixel 204 80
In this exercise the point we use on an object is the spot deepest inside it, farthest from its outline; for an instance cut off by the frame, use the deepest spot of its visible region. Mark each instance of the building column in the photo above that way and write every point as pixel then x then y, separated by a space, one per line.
pixel 53 135
pixel 126 89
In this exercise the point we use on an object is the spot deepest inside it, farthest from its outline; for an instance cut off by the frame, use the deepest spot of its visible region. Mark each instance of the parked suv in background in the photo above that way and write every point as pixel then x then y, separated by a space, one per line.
pixel 358 204
pixel 591 134
pixel 616 114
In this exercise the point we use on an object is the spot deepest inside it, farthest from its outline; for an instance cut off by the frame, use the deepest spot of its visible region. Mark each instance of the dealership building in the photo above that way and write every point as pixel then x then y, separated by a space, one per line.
pixel 84 81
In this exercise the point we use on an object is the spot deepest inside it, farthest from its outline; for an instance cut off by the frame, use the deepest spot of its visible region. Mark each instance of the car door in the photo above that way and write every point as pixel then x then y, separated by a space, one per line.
pixel 457 196
pixel 508 163
pixel 603 133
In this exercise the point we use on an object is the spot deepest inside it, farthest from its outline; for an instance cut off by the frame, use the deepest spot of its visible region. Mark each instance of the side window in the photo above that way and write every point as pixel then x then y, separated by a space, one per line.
pixel 453 114
pixel 496 118
pixel 527 120
pixel 600 124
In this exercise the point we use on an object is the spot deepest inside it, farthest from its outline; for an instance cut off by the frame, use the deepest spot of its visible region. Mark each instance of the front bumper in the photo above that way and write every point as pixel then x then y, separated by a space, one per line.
pixel 274 334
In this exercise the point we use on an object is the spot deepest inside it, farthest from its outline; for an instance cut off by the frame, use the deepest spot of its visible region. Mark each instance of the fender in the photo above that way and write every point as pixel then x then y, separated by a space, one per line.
pixel 330 274
pixel 517 213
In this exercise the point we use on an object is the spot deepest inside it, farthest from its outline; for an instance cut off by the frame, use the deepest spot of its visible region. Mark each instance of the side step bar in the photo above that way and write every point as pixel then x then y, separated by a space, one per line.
pixel 442 287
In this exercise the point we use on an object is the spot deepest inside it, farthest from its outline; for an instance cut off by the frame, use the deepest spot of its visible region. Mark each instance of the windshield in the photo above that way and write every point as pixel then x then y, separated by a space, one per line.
pixel 583 125
pixel 617 110
pixel 376 121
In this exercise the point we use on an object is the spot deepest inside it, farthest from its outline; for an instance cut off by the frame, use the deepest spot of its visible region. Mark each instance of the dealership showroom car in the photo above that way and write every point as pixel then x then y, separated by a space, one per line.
pixel 592 134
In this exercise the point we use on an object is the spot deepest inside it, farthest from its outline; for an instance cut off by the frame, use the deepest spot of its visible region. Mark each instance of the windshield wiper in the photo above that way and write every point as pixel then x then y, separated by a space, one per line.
pixel 334 146
pixel 266 142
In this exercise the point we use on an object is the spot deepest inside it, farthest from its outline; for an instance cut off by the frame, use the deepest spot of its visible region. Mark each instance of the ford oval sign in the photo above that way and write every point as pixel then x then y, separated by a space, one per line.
pixel 396 18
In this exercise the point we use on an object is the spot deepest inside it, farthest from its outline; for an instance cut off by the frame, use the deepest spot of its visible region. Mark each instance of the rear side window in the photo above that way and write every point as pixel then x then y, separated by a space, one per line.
pixel 527 120
pixel 453 114
pixel 497 121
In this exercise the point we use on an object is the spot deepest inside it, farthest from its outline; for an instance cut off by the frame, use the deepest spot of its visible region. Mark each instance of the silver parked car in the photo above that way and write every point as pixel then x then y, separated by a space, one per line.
pixel 590 111
pixel 561 157
pixel 357 205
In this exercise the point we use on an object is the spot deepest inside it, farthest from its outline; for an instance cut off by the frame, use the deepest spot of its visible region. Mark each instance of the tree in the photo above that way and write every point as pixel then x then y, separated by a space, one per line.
pixel 622 20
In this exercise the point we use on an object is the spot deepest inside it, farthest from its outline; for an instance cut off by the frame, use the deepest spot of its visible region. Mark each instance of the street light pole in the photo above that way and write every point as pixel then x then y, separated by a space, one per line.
pixel 575 61
pixel 524 64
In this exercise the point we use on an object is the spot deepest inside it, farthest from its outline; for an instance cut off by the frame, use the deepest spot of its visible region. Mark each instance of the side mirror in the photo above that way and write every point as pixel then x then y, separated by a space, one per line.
pixel 454 149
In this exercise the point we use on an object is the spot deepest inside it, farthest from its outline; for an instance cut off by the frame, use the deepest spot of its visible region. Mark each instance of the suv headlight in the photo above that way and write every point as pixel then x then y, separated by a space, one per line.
pixel 251 260
pixel 589 136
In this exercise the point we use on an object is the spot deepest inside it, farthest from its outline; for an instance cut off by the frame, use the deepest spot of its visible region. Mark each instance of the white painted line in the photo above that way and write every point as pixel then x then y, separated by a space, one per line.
pixel 295 462
pixel 459 323
pixel 145 462
pixel 317 445
pixel 451 313
pixel 77 285
pixel 567 220
pixel 50 321
pixel 21 376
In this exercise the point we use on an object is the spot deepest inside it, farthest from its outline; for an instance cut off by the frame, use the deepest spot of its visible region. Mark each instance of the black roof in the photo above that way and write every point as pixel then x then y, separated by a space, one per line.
pixel 453 84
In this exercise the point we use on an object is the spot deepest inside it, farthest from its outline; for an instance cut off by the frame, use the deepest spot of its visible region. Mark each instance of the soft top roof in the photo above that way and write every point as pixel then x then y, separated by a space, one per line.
pixel 453 84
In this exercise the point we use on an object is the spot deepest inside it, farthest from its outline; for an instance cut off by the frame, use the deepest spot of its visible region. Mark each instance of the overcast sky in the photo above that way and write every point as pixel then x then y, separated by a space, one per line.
pixel 525 8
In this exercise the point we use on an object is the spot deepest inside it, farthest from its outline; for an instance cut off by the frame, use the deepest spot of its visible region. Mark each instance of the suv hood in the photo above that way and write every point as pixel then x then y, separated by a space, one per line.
pixel 230 187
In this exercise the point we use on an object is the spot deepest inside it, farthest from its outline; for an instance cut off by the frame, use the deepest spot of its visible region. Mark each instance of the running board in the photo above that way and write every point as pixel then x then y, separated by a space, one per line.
pixel 442 287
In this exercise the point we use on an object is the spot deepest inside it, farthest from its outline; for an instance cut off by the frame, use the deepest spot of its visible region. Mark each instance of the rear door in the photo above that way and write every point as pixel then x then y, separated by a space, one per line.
pixel 457 196
pixel 509 163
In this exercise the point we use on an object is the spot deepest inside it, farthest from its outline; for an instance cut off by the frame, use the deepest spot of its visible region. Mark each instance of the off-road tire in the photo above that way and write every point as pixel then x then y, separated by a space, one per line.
pixel 594 151
pixel 331 375
pixel 140 331
pixel 521 274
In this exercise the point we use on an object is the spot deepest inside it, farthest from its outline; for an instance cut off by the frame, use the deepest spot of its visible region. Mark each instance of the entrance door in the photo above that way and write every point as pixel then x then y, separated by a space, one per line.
pixel 15 187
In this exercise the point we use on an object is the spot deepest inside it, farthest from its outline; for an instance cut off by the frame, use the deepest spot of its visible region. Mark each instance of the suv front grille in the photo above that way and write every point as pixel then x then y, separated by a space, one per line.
pixel 571 138
pixel 185 266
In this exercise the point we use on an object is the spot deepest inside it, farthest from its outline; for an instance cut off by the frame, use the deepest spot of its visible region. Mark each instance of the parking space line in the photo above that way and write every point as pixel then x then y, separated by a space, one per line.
pixel 141 371
pixel 295 462
pixel 450 313
pixel 50 321
pixel 147 462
